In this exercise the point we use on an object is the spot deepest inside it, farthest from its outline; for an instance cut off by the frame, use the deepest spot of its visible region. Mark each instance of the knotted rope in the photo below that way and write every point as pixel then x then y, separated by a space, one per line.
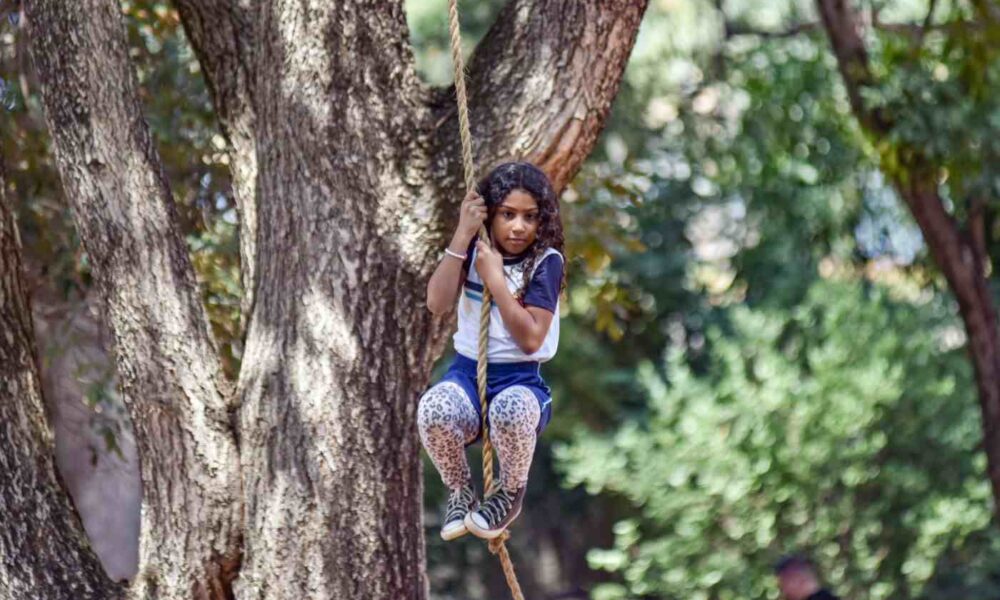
pixel 496 545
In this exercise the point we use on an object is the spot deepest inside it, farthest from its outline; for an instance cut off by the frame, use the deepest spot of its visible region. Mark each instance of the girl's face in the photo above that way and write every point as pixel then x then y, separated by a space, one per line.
pixel 515 223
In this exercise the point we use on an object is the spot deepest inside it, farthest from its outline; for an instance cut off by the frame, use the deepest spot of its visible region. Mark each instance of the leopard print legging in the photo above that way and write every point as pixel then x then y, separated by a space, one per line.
pixel 448 421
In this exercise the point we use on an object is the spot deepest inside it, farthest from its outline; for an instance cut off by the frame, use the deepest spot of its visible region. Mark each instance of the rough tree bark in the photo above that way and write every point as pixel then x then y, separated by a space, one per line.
pixel 347 171
pixel 166 359
pixel 43 549
pixel 954 249
pixel 226 36
pixel 356 172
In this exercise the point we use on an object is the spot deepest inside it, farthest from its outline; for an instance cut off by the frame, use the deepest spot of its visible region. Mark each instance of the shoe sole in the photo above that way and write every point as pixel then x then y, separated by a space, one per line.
pixel 453 533
pixel 487 534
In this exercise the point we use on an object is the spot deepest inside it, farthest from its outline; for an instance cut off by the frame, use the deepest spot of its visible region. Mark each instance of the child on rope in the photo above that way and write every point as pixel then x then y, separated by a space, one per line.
pixel 524 274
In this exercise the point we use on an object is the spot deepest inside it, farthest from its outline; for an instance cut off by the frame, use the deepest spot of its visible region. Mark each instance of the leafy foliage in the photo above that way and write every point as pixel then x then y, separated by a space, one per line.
pixel 841 426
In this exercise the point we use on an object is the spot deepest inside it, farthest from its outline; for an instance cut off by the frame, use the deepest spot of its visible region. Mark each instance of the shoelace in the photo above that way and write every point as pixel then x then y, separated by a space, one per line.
pixel 496 507
pixel 459 502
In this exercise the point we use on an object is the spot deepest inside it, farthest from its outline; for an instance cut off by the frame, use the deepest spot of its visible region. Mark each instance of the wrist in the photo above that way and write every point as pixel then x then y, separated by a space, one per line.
pixel 460 243
pixel 456 255
pixel 494 281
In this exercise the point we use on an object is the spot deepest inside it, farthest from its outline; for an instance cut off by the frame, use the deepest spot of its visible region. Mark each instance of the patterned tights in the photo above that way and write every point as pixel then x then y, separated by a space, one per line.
pixel 447 421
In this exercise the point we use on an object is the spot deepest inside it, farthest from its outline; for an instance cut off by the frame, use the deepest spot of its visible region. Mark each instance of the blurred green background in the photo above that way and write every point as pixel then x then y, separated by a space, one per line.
pixel 758 356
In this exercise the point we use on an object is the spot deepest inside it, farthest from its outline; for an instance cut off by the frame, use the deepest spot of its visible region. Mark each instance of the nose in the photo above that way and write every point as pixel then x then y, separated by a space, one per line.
pixel 518 225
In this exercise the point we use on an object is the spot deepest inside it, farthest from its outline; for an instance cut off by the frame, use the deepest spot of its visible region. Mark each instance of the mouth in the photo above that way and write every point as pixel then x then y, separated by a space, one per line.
pixel 517 240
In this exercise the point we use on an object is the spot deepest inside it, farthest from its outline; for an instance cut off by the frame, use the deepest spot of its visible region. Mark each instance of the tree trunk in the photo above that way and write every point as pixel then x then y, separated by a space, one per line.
pixel 347 172
pixel 339 344
pixel 43 550
pixel 956 252
pixel 167 362
pixel 964 267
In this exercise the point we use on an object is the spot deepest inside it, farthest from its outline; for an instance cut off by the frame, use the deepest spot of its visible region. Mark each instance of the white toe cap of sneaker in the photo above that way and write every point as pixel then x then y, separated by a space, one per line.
pixel 453 530
pixel 479 521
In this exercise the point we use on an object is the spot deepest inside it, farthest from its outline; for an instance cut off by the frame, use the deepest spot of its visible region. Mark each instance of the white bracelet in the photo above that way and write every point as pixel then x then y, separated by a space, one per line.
pixel 460 257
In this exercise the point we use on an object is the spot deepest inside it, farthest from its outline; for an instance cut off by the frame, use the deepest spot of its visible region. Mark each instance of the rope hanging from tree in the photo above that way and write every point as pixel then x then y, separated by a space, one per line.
pixel 496 545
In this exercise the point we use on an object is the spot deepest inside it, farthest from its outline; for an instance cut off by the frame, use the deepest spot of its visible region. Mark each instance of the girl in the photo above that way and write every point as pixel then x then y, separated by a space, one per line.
pixel 524 274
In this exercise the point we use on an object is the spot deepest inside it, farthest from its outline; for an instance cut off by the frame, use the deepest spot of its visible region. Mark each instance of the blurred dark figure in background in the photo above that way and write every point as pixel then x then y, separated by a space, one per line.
pixel 798 580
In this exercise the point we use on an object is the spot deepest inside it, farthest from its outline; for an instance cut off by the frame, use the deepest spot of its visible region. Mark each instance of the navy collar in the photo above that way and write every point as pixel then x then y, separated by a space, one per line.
pixel 513 260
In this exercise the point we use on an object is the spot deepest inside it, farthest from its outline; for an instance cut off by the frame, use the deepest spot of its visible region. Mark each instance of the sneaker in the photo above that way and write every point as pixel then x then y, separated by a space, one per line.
pixel 495 514
pixel 460 502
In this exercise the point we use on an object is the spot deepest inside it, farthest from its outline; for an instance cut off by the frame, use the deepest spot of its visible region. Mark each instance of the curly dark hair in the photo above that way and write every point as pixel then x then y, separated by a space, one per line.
pixel 511 176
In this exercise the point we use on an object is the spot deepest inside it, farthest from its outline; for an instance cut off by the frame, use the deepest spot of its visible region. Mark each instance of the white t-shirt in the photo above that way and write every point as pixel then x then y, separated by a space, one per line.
pixel 542 291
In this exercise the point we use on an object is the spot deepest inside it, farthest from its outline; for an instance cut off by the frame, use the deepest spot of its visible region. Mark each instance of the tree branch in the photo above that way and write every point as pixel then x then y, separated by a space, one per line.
pixel 928 21
pixel 960 258
pixel 844 32
pixel 60 563
pixel 987 11
pixel 166 358
pixel 223 35
pixel 542 82
pixel 976 227
pixel 917 31
pixel 733 29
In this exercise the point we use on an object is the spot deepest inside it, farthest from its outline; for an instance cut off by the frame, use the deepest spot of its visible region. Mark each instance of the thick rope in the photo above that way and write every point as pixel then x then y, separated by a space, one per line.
pixel 496 545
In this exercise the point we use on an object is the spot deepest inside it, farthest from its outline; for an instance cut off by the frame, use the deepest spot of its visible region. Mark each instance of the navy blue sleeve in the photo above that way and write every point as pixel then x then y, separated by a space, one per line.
pixel 543 289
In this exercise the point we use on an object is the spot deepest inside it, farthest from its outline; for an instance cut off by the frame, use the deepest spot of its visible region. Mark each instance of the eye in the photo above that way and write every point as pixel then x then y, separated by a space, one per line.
pixel 507 214
pixel 532 217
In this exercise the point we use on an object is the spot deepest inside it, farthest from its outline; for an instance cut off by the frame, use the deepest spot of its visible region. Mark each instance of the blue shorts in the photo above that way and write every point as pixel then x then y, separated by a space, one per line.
pixel 500 376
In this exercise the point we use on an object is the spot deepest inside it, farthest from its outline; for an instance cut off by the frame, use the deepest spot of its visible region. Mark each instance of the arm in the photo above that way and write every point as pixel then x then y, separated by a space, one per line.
pixel 528 325
pixel 444 284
